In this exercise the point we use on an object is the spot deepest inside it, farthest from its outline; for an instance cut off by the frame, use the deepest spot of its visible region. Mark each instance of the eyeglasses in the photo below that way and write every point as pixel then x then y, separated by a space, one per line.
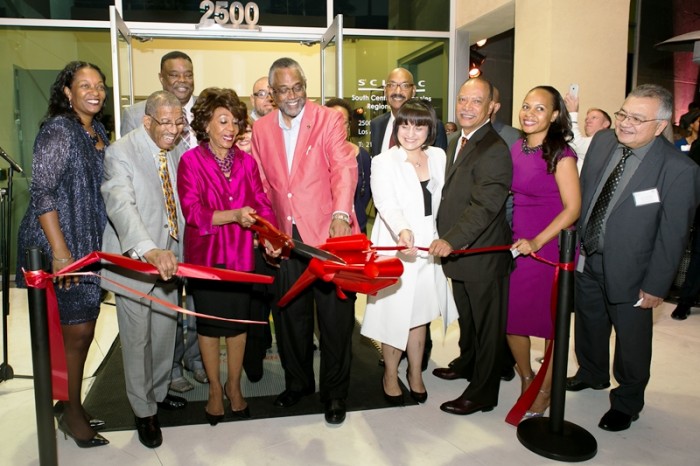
pixel 297 89
pixel 634 121
pixel 404 86
pixel 168 123
pixel 261 94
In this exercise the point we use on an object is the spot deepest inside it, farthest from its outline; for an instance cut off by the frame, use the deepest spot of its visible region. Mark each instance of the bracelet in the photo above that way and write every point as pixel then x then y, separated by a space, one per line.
pixel 342 216
pixel 63 261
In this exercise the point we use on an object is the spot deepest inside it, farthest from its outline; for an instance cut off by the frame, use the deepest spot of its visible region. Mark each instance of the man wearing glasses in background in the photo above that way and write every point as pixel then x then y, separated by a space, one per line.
pixel 639 196
pixel 398 88
pixel 309 172
pixel 261 99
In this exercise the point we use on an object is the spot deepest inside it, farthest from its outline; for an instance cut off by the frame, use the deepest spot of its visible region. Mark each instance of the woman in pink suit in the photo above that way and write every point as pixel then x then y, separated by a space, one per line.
pixel 219 187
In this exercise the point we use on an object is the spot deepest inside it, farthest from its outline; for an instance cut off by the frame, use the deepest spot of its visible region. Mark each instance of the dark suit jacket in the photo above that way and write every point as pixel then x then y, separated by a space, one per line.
pixel 643 244
pixel 472 211
pixel 377 128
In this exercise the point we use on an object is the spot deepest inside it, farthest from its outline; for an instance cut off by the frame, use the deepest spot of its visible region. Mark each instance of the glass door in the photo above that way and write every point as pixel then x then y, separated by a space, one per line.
pixel 122 65
pixel 332 60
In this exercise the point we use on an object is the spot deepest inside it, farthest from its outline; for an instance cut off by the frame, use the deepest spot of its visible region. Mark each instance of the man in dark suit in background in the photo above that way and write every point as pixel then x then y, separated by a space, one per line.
pixel 398 88
pixel 639 195
pixel 472 214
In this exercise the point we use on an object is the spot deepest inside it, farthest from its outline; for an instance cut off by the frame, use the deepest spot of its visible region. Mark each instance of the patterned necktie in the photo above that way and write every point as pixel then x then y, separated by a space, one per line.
pixel 186 128
pixel 168 194
pixel 462 144
pixel 591 237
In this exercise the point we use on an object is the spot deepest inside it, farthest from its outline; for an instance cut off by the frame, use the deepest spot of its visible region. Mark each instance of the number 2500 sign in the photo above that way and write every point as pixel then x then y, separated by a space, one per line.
pixel 222 13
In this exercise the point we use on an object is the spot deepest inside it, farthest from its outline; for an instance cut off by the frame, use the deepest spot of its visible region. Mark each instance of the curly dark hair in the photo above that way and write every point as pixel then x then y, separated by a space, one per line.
pixel 58 102
pixel 559 132
pixel 417 112
pixel 208 101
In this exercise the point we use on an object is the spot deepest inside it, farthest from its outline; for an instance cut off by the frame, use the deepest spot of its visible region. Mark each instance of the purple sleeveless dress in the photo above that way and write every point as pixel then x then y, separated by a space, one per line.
pixel 536 201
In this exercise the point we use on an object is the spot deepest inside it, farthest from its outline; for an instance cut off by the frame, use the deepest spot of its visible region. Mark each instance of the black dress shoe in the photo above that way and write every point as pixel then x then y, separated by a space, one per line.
pixel 172 403
pixel 447 373
pixel 149 431
pixel 335 411
pixel 463 407
pixel 615 421
pixel 575 385
pixel 681 312
pixel 290 397
pixel 508 374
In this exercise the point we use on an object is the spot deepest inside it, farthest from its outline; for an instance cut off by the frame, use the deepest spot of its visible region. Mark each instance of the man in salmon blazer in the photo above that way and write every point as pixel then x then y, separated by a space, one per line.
pixel 309 172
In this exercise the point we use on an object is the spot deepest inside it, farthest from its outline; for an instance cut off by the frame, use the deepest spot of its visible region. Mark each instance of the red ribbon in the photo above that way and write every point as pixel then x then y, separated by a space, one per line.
pixel 517 412
pixel 44 280
pixel 521 406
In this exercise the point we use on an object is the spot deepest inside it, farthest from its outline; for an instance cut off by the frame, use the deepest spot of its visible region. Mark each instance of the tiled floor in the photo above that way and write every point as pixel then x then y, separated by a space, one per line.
pixel 420 435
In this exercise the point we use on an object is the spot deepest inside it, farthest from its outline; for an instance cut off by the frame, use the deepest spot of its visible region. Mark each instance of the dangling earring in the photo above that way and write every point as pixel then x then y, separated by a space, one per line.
pixel 70 104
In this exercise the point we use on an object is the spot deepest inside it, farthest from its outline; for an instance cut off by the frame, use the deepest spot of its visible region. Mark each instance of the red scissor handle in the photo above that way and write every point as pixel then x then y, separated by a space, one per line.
pixel 267 231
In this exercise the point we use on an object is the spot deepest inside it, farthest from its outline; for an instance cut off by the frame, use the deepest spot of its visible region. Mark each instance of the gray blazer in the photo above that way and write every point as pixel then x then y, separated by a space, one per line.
pixel 135 207
pixel 644 238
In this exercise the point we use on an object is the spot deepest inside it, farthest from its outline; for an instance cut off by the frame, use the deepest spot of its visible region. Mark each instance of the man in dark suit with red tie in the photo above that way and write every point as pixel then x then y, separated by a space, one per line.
pixel 472 214
pixel 639 196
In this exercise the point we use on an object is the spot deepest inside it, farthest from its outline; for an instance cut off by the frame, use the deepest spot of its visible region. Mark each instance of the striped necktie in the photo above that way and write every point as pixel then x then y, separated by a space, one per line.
pixel 185 135
pixel 168 194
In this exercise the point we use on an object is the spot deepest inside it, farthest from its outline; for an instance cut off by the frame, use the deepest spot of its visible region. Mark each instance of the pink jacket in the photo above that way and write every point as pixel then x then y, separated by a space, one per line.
pixel 202 189
pixel 323 175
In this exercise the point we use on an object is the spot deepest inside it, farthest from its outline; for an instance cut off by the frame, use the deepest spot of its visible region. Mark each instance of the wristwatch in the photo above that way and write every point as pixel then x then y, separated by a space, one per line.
pixel 342 216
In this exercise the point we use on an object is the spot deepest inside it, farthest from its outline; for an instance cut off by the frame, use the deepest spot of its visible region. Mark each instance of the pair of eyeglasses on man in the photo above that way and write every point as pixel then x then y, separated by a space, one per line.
pixel 261 94
pixel 180 122
pixel 297 89
pixel 404 86
pixel 634 121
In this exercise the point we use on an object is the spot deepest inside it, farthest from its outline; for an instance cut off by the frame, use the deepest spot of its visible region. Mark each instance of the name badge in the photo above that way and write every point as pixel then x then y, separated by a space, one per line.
pixel 650 196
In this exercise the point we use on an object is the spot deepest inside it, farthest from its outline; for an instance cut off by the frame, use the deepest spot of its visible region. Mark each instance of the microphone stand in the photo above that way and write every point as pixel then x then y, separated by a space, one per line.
pixel 6 372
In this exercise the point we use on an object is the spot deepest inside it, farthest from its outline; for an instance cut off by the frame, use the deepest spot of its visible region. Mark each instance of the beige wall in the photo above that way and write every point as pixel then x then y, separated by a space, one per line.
pixel 559 42
pixel 231 64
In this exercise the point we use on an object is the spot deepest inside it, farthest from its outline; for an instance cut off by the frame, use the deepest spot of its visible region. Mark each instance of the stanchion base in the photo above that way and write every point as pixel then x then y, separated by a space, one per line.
pixel 6 372
pixel 572 444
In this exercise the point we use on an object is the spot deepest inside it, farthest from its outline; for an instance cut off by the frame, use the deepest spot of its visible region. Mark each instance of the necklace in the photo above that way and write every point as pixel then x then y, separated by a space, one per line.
pixel 530 150
pixel 226 163
pixel 93 137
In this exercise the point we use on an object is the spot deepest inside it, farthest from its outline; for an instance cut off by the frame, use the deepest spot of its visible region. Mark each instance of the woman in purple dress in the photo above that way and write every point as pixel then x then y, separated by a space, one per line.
pixel 546 199
pixel 219 187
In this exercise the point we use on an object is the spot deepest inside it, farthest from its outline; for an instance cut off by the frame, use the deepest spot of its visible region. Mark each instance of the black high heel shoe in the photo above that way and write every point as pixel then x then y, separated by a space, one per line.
pixel 96 441
pixel 213 419
pixel 96 424
pixel 419 397
pixel 394 400
pixel 241 413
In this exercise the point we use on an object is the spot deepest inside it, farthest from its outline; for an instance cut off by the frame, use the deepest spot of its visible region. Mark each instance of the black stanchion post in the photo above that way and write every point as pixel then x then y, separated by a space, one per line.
pixel 43 397
pixel 553 437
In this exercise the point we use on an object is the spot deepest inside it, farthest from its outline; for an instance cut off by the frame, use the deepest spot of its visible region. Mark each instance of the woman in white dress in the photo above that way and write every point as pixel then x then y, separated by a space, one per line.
pixel 406 184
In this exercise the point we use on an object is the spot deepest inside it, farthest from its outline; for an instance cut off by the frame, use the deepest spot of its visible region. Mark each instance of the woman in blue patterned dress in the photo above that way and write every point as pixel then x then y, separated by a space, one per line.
pixel 66 218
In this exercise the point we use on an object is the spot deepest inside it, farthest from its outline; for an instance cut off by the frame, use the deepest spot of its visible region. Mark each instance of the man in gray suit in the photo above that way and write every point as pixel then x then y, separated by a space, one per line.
pixel 639 196
pixel 177 77
pixel 145 226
